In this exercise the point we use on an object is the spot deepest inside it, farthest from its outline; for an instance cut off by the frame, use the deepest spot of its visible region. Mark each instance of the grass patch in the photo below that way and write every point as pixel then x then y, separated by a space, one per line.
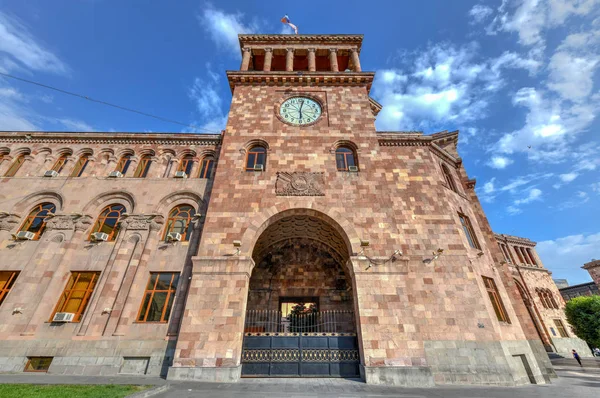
pixel 67 391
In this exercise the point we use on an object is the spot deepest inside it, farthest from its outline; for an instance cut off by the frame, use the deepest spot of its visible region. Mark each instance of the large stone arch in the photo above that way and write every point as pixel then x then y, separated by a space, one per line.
pixel 264 219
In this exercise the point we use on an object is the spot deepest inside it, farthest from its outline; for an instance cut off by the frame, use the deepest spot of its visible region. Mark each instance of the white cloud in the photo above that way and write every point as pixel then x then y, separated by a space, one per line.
pixel 568 177
pixel 560 10
pixel 74 125
pixel 595 187
pixel 209 102
pixel 442 84
pixel 499 162
pixel 534 195
pixel 571 75
pixel 480 13
pixel 20 48
pixel 565 256
pixel 224 28
pixel 488 187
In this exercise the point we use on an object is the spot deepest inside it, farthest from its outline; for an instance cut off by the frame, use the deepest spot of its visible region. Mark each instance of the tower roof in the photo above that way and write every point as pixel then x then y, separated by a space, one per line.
pixel 264 39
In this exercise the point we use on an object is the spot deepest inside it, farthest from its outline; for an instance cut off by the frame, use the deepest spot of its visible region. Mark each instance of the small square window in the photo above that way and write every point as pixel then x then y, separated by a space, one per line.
pixel 38 364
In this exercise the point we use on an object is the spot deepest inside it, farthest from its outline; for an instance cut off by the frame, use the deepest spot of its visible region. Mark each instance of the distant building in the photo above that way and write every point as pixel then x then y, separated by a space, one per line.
pixel 561 283
pixel 541 296
pixel 583 289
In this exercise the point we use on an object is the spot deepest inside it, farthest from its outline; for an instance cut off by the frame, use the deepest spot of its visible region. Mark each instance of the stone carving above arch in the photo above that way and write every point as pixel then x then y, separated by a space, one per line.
pixel 299 183
pixel 186 152
pixel 83 222
pixel 142 222
pixel 344 143
pixel 4 150
pixel 85 151
pixel 54 197
pixel 41 150
pixel 56 238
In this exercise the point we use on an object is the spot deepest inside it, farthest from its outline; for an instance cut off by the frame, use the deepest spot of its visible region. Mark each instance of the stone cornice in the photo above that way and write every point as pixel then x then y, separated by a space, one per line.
pixel 303 78
pixel 415 138
pixel 29 137
pixel 375 106
pixel 515 240
pixel 300 39
pixel 531 268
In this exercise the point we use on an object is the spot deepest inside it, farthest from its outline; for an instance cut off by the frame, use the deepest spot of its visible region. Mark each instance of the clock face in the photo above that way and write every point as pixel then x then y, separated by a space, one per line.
pixel 300 110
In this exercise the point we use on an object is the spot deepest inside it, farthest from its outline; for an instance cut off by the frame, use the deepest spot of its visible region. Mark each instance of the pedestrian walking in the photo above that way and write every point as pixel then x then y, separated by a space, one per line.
pixel 576 356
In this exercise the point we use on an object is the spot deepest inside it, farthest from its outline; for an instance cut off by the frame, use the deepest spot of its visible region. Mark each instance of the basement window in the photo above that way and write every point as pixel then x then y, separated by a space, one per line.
pixel 38 364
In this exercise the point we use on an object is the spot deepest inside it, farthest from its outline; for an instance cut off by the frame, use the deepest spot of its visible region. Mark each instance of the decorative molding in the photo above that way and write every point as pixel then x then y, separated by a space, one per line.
pixel 60 222
pixel 8 222
pixel 111 138
pixel 516 240
pixel 299 183
pixel 137 222
pixel 471 183
pixel 376 107
pixel 297 78
pixel 303 39
pixel 83 222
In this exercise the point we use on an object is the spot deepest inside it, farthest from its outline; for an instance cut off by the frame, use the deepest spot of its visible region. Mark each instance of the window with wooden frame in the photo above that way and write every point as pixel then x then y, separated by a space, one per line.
pixel 7 280
pixel 542 298
pixel 80 166
pixel 143 166
pixel 180 221
pixel 36 220
pixel 497 303
pixel 256 156
pixel 123 164
pixel 60 163
pixel 38 364
pixel 108 221
pixel 448 178
pixel 206 167
pixel 561 328
pixel 15 166
pixel 159 296
pixel 469 231
pixel 186 164
pixel 345 158
pixel 76 296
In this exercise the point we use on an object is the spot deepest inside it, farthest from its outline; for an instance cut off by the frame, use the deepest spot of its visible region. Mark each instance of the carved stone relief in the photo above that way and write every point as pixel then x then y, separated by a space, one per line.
pixel 142 222
pixel 299 183
pixel 8 222
pixel 60 222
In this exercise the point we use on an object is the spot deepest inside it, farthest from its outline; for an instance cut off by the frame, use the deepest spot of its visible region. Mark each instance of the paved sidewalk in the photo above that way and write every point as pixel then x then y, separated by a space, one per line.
pixel 573 382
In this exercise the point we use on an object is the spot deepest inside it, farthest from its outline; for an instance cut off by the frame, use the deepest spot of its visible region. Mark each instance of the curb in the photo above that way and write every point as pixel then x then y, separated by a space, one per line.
pixel 151 392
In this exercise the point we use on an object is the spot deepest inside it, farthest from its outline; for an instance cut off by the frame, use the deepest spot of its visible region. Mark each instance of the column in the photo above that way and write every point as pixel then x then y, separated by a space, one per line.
pixel 312 62
pixel 355 59
pixel 333 60
pixel 246 53
pixel 289 60
pixel 268 59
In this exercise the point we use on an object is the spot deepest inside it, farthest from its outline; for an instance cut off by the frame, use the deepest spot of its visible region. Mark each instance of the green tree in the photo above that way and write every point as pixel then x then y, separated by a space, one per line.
pixel 583 314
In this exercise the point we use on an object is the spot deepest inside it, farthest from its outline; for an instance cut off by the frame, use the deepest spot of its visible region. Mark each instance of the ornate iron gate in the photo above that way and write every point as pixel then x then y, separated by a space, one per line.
pixel 320 344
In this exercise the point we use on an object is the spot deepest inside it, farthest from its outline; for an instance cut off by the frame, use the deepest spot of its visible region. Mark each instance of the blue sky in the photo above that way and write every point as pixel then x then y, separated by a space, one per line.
pixel 518 78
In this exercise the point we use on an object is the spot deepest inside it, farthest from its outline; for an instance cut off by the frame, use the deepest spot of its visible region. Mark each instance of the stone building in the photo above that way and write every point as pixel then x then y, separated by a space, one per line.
pixel 584 289
pixel 299 242
pixel 543 300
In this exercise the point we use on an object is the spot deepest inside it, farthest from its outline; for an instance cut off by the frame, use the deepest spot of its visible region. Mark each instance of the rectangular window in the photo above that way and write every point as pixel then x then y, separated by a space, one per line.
pixel 490 286
pixel 531 256
pixel 38 364
pixel 521 261
pixel 561 328
pixel 60 164
pixel 159 296
pixel 469 231
pixel 77 293
pixel 7 280
pixel 206 168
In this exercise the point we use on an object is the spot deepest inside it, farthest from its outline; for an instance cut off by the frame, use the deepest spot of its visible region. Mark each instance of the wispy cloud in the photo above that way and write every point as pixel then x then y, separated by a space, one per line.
pixel 565 255
pixel 206 94
pixel 499 162
pixel 224 28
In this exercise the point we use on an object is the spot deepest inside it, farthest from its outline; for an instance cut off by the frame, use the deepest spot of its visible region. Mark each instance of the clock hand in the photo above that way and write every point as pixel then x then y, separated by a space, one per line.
pixel 300 110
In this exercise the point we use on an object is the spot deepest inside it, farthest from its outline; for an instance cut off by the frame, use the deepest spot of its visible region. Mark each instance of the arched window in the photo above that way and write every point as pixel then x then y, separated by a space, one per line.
pixel 35 221
pixel 180 221
pixel 345 158
pixel 542 298
pixel 186 164
pixel 12 170
pixel 206 167
pixel 255 158
pixel 448 178
pixel 108 221
pixel 60 163
pixel 123 164
pixel 143 167
pixel 551 299
pixel 80 166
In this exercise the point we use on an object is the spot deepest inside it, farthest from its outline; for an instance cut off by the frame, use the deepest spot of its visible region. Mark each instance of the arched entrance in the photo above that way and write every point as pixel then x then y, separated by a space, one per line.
pixel 300 319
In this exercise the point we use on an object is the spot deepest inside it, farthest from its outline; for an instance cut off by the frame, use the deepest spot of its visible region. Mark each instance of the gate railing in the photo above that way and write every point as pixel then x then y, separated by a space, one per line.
pixel 267 321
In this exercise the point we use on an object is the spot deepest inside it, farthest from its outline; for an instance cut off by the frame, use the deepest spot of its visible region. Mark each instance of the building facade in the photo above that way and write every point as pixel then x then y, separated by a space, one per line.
pixel 541 296
pixel 299 242
pixel 584 289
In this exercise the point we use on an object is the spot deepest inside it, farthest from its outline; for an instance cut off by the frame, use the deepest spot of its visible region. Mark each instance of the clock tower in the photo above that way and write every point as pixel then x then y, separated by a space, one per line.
pixel 312 211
